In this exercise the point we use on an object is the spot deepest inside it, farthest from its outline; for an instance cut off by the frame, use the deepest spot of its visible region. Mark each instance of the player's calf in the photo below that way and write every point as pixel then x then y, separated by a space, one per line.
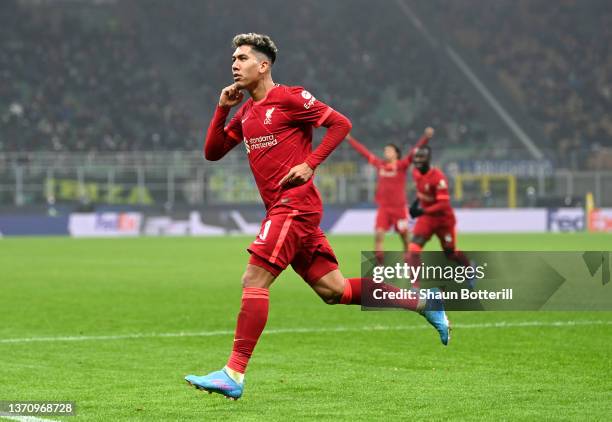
pixel 330 287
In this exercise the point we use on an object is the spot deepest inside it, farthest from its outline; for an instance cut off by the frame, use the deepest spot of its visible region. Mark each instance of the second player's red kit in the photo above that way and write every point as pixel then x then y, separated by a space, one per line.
pixel 434 197
pixel 277 135
pixel 391 187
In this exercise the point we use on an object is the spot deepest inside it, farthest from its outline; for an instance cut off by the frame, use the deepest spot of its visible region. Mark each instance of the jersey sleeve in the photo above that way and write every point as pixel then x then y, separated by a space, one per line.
pixel 366 153
pixel 305 108
pixel 218 140
pixel 234 127
pixel 442 193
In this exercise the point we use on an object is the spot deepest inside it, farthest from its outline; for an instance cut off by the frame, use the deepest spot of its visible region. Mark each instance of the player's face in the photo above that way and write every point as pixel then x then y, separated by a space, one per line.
pixel 247 67
pixel 390 153
pixel 421 159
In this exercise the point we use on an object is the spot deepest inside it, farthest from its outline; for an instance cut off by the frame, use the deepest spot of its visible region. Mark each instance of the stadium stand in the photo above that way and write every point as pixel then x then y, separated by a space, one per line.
pixel 70 85
pixel 83 76
pixel 561 76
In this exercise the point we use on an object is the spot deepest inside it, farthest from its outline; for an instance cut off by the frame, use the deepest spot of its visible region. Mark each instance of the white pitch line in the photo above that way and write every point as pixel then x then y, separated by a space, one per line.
pixel 297 330
pixel 27 419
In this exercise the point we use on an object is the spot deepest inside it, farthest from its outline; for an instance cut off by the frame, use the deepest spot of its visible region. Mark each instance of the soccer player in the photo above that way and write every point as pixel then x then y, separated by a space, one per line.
pixel 432 210
pixel 275 126
pixel 391 190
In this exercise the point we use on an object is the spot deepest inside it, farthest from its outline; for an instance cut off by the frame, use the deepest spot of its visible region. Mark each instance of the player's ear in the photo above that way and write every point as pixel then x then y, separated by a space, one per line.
pixel 264 66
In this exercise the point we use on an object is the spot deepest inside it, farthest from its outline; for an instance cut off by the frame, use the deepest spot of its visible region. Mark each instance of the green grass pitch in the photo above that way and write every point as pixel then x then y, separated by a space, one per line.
pixel 127 301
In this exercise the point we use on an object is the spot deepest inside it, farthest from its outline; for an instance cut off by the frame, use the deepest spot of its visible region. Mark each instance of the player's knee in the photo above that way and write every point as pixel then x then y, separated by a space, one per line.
pixel 253 278
pixel 247 280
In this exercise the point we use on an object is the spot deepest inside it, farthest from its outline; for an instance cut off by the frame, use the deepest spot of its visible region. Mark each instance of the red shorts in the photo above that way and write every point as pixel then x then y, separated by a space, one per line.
pixel 293 238
pixel 443 227
pixel 392 217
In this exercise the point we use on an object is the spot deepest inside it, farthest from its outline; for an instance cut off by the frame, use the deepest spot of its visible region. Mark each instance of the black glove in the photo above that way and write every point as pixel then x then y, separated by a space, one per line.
pixel 415 209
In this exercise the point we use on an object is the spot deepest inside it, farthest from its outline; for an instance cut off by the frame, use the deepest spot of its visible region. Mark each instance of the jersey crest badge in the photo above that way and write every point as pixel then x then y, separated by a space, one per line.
pixel 268 119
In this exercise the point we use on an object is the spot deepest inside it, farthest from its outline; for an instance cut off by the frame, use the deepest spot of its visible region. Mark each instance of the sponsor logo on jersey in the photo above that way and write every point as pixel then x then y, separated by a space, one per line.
pixel 260 142
pixel 309 103
pixel 268 119
pixel 387 173
pixel 308 96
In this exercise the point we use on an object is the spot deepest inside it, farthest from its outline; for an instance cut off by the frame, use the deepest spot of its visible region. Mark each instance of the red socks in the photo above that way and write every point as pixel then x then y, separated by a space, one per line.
pixel 353 288
pixel 352 291
pixel 251 322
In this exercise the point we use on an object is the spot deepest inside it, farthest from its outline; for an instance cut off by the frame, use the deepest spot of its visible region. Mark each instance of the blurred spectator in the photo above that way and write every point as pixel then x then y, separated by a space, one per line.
pixel 87 78
pixel 70 85
pixel 553 57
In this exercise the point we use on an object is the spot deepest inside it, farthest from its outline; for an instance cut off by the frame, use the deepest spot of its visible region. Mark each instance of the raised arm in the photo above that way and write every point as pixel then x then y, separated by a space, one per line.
pixel 423 140
pixel 220 139
pixel 361 149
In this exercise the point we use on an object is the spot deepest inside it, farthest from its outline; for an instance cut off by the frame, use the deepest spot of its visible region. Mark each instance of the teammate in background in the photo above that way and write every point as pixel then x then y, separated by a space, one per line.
pixel 432 210
pixel 391 190
pixel 275 125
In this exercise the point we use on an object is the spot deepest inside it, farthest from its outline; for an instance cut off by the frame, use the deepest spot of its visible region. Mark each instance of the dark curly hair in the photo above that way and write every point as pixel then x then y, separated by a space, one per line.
pixel 258 42
pixel 397 150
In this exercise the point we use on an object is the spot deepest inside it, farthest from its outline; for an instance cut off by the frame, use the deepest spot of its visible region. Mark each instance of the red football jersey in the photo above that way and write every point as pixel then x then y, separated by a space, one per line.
pixel 277 135
pixel 431 188
pixel 391 187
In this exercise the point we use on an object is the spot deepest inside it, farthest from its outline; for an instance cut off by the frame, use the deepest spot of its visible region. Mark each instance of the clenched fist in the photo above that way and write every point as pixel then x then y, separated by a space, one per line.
pixel 230 96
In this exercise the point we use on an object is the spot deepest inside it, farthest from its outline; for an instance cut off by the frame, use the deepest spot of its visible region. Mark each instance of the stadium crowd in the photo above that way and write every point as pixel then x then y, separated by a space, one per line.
pixel 69 85
pixel 554 58
pixel 74 84
pixel 382 76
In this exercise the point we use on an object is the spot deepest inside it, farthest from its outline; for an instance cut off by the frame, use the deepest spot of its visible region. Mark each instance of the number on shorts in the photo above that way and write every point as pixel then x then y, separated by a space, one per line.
pixel 265 230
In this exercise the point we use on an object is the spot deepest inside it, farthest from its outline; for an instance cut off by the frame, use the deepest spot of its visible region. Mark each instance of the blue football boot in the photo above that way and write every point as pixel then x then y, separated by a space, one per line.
pixel 435 315
pixel 217 382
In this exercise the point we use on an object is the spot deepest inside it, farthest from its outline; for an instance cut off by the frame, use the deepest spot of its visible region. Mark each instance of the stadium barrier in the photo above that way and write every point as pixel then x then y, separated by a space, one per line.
pixel 600 220
pixel 105 224
pixel 336 220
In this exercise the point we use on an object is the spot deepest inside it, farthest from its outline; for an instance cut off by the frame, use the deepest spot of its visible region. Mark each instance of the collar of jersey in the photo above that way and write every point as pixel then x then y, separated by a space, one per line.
pixel 266 97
